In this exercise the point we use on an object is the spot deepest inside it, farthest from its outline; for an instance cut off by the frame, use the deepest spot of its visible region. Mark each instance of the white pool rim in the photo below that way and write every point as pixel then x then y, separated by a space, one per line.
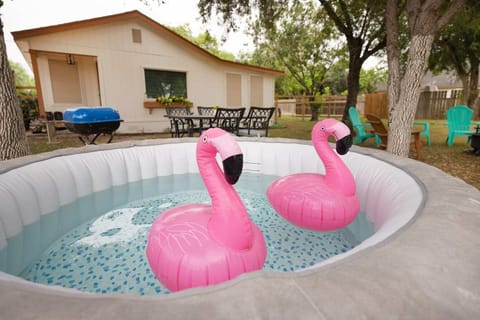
pixel 424 222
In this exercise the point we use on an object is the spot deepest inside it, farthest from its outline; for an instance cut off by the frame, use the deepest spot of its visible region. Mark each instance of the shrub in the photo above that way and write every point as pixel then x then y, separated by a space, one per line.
pixel 29 106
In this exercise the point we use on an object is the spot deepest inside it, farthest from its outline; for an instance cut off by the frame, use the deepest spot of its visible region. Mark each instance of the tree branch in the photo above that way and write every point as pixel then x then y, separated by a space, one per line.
pixel 333 15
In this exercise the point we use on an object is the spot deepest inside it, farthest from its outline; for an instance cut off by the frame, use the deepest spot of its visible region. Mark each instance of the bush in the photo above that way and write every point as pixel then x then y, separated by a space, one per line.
pixel 30 110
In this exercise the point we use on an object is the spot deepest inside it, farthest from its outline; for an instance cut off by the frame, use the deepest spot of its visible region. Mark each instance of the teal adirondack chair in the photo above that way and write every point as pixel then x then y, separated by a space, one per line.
pixel 363 130
pixel 459 122
pixel 426 130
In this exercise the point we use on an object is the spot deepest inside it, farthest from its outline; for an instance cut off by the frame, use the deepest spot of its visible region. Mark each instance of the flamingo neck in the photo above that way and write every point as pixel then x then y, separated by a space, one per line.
pixel 229 224
pixel 337 175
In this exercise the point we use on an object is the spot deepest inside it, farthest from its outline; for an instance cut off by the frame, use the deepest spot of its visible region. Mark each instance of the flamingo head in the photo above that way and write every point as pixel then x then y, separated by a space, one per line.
pixel 337 129
pixel 216 140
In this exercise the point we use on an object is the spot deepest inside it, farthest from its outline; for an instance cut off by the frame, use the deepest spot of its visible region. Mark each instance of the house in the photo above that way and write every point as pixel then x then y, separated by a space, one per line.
pixel 125 61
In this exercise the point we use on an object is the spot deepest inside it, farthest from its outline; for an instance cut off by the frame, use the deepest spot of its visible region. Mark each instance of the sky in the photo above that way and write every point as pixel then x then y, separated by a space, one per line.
pixel 27 14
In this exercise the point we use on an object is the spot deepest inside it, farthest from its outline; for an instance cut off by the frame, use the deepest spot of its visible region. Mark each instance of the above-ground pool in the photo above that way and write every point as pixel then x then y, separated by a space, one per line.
pixel 106 253
pixel 413 251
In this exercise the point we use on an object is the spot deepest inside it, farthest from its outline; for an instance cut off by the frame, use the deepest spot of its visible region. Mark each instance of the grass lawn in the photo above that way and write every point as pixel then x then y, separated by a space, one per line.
pixel 449 159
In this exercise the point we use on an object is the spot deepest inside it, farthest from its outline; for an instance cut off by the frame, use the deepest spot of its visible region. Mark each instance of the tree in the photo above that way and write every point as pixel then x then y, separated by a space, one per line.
pixel 284 85
pixel 22 78
pixel 458 48
pixel 13 139
pixel 336 77
pixel 204 40
pixel 304 45
pixel 424 19
pixel 360 21
pixel 362 24
pixel 369 79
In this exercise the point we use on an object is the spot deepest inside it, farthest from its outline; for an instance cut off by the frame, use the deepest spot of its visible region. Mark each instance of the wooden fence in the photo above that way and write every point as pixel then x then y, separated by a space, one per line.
pixel 431 105
pixel 434 104
pixel 376 103
pixel 299 106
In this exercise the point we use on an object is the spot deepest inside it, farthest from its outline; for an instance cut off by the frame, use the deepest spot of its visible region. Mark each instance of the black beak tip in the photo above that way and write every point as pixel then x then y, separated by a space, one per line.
pixel 232 168
pixel 344 144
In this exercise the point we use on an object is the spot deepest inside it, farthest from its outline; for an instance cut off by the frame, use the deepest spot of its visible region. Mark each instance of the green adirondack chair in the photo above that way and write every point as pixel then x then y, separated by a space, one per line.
pixel 459 122
pixel 362 129
pixel 426 130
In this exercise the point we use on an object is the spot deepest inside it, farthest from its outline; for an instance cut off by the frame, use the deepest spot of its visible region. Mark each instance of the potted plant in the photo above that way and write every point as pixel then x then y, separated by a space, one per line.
pixel 173 101
pixel 164 101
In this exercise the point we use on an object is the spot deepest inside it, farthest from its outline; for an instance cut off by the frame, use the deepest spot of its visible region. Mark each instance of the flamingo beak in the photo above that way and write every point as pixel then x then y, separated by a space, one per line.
pixel 344 144
pixel 232 168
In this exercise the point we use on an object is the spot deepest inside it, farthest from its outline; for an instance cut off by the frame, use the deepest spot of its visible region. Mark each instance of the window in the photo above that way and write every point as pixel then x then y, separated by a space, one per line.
pixel 161 83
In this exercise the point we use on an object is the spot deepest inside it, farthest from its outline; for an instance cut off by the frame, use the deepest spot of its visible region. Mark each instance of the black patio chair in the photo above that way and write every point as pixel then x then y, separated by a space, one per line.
pixel 256 122
pixel 207 111
pixel 229 119
pixel 178 126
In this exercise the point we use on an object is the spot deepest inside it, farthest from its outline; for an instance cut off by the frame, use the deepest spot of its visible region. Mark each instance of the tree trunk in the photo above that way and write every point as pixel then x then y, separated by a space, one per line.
pixel 465 80
pixel 353 79
pixel 402 113
pixel 314 113
pixel 473 92
pixel 13 140
pixel 425 18
pixel 469 84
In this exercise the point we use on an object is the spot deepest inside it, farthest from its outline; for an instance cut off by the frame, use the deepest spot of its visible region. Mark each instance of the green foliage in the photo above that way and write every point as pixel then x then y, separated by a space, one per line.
pixel 457 47
pixel 369 79
pixel 168 100
pixel 29 106
pixel 305 46
pixel 319 99
pixel 458 42
pixel 363 25
pixel 22 78
pixel 204 40
pixel 336 77
pixel 27 97
pixel 266 11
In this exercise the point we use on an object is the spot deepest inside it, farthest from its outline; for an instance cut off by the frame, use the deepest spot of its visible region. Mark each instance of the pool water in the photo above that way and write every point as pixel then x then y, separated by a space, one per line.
pixel 106 253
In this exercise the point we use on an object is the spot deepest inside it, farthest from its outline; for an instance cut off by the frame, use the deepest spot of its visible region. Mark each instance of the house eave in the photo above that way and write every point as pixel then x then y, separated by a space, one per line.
pixel 29 33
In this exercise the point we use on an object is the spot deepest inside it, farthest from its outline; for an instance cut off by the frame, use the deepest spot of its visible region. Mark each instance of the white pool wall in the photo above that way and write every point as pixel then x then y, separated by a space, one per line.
pixel 388 195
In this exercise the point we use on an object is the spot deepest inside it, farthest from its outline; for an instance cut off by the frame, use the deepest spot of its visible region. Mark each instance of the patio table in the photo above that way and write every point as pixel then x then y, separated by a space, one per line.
pixel 417 142
pixel 204 121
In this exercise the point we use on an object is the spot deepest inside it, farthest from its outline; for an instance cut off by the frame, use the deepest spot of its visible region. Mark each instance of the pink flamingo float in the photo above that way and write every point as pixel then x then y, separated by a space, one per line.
pixel 198 244
pixel 315 201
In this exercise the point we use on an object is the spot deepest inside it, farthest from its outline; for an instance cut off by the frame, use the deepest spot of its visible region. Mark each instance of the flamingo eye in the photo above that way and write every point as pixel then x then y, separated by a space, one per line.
pixel 322 128
pixel 205 139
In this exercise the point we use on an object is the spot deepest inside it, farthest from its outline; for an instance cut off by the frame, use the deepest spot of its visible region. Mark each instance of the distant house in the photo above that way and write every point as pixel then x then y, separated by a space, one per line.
pixel 125 61
pixel 447 80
